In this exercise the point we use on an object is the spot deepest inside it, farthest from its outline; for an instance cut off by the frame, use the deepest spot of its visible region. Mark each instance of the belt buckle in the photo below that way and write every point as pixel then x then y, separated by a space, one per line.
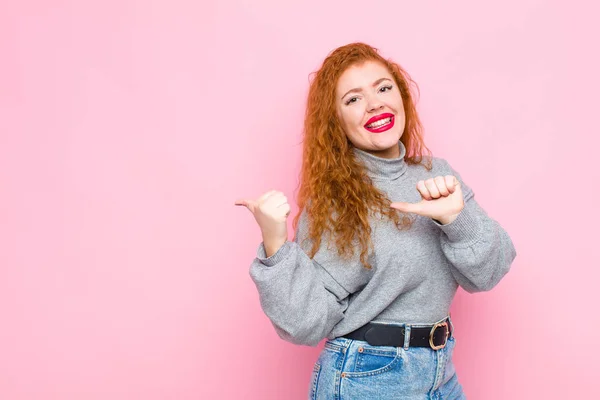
pixel 433 329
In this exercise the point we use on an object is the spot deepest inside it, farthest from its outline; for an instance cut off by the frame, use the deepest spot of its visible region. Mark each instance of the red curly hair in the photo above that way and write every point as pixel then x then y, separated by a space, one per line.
pixel 332 181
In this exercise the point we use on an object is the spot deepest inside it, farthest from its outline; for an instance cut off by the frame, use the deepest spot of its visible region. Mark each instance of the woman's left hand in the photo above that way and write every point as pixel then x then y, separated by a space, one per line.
pixel 442 199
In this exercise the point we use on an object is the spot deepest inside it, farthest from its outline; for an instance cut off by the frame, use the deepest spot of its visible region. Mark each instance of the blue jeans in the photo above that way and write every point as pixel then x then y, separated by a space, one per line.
pixel 354 370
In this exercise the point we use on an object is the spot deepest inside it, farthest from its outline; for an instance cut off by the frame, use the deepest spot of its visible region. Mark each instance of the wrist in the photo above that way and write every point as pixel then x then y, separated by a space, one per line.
pixel 446 219
pixel 272 245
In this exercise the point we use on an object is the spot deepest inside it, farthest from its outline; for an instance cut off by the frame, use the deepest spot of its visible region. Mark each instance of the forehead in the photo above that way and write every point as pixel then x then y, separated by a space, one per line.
pixel 362 75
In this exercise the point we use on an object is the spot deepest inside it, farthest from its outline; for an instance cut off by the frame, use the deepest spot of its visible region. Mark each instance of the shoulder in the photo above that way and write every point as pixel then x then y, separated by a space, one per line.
pixel 431 166
pixel 435 166
pixel 439 166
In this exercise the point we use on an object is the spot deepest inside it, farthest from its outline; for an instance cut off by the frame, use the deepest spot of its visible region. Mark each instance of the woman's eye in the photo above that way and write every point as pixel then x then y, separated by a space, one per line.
pixel 385 88
pixel 351 100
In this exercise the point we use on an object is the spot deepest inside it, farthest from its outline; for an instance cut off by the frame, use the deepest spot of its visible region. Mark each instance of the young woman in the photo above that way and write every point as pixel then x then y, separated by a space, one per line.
pixel 384 237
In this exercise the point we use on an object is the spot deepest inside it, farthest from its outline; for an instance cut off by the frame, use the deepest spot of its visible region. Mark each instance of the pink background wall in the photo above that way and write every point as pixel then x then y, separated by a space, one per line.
pixel 128 128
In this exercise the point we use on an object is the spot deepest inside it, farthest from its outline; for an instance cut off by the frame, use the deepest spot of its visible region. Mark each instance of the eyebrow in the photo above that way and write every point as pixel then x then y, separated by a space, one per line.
pixel 359 90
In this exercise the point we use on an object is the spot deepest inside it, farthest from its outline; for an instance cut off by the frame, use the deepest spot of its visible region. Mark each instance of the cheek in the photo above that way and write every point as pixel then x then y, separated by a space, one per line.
pixel 344 117
pixel 353 117
pixel 400 104
pixel 396 103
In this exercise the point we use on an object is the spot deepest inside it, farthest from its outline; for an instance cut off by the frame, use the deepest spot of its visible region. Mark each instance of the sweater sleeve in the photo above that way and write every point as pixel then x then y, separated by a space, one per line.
pixel 301 298
pixel 478 248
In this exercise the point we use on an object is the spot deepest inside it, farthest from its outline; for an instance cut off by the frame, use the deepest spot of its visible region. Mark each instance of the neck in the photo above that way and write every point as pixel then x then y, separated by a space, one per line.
pixel 381 167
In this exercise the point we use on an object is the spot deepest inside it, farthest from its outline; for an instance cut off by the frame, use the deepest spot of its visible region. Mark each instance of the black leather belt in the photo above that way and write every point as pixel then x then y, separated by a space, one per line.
pixel 434 336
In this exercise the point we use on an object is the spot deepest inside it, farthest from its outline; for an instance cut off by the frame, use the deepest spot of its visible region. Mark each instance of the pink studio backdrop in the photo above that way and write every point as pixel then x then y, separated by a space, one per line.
pixel 128 129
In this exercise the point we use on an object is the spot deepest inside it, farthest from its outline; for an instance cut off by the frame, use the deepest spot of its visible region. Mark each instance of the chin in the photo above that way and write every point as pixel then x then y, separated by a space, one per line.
pixel 390 141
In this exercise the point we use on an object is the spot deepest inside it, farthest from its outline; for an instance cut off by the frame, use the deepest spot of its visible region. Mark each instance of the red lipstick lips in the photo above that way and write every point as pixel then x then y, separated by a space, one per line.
pixel 377 123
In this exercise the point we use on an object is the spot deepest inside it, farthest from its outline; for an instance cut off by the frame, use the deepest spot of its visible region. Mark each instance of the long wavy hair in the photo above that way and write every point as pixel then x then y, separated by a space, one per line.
pixel 335 191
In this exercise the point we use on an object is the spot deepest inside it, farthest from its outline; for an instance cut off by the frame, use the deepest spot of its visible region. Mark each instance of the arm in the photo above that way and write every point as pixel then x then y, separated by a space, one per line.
pixel 302 300
pixel 478 248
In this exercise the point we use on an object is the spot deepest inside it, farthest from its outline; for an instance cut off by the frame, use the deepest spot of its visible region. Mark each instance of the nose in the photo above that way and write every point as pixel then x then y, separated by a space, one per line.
pixel 374 104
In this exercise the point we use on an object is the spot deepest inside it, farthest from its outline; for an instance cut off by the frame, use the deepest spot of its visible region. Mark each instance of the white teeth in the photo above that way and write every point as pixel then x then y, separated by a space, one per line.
pixel 379 123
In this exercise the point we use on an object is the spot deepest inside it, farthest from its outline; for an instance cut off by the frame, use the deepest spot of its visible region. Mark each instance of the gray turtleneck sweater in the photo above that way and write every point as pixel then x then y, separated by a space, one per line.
pixel 415 272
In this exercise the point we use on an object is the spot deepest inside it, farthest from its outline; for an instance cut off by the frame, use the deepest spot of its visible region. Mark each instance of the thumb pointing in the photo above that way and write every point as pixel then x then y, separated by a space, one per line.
pixel 407 207
pixel 249 204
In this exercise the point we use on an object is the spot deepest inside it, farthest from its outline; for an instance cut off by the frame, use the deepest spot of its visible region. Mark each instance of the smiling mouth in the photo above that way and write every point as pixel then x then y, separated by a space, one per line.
pixel 381 125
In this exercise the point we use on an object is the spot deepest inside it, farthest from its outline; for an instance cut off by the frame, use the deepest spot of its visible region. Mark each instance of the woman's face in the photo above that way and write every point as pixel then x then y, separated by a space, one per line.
pixel 369 106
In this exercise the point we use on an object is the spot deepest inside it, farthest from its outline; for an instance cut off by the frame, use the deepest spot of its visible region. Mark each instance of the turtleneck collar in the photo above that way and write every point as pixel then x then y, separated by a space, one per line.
pixel 383 168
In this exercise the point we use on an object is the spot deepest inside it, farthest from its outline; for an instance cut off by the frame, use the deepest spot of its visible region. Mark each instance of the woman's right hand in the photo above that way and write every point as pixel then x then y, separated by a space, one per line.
pixel 270 212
